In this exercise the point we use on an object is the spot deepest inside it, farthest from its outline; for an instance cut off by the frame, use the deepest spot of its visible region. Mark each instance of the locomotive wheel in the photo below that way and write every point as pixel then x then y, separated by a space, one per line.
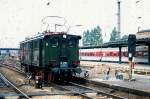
pixel 56 78
pixel 61 77
pixel 66 77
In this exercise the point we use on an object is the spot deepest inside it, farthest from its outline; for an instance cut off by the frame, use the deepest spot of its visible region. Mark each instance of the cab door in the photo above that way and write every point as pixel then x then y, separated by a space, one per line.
pixel 51 50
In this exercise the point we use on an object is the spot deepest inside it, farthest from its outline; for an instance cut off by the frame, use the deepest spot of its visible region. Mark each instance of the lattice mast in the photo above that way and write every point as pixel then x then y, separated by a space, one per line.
pixel 118 20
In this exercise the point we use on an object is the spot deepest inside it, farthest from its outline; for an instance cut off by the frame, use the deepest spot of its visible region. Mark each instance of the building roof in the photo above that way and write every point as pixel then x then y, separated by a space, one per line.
pixel 148 30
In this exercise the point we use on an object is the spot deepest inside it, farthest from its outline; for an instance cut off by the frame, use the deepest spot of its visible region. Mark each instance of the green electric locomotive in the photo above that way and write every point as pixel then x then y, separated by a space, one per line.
pixel 54 56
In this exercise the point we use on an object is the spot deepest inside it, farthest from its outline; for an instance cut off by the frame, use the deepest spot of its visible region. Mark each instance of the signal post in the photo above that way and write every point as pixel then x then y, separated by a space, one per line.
pixel 131 55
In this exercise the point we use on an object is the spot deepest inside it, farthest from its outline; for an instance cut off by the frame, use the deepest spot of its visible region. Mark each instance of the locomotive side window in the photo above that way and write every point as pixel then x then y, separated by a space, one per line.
pixel 72 42
pixel 54 42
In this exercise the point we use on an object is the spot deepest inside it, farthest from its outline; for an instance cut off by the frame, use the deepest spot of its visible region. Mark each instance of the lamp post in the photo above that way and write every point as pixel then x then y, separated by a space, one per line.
pixel 139 28
pixel 138 1
pixel 139 22
pixel 138 18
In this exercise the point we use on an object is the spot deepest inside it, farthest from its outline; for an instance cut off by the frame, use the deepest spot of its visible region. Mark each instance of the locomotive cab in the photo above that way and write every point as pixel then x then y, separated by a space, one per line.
pixel 62 55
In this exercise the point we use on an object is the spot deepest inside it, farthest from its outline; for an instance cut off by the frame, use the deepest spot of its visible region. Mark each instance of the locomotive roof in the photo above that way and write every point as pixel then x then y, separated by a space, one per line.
pixel 38 36
pixel 42 35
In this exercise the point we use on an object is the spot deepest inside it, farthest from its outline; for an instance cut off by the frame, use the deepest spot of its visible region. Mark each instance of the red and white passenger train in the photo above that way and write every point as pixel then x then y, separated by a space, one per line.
pixel 112 54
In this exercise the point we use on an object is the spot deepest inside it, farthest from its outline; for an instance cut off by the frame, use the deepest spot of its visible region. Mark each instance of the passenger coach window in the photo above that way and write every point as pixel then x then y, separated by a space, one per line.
pixel 54 42
pixel 72 42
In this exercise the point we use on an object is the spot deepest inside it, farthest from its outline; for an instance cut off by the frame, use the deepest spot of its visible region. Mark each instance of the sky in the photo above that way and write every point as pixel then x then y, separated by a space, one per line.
pixel 23 18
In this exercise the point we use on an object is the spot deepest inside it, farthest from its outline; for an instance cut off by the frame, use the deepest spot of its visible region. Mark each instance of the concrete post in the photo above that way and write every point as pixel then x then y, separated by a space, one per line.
pixel 148 54
pixel 120 55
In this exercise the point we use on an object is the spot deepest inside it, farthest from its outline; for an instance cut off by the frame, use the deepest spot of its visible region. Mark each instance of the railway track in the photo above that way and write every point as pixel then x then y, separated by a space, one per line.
pixel 99 92
pixel 113 91
pixel 79 89
pixel 11 67
pixel 87 92
pixel 5 82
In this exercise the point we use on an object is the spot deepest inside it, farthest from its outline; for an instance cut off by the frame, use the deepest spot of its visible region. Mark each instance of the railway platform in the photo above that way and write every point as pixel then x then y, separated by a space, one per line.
pixel 141 86
pixel 100 66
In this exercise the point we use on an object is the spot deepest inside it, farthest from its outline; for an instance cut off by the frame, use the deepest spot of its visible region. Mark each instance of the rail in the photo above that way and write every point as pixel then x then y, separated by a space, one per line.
pixel 98 91
pixel 86 91
pixel 75 92
pixel 14 68
pixel 7 81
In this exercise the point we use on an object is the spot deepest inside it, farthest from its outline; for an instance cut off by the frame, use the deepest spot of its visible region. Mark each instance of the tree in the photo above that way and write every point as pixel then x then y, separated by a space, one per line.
pixel 97 36
pixel 125 37
pixel 113 35
pixel 86 38
pixel 93 37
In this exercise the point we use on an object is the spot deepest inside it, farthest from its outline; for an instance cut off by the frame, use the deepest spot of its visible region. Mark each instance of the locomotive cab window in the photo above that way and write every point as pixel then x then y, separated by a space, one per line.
pixel 72 42
pixel 63 43
pixel 54 42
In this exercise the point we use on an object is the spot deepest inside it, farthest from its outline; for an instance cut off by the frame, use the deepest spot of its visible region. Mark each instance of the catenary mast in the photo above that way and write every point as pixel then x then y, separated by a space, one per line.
pixel 118 21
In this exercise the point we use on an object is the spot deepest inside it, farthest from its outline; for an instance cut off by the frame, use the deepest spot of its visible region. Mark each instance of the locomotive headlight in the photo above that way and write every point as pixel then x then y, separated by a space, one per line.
pixel 64 36
pixel 63 64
